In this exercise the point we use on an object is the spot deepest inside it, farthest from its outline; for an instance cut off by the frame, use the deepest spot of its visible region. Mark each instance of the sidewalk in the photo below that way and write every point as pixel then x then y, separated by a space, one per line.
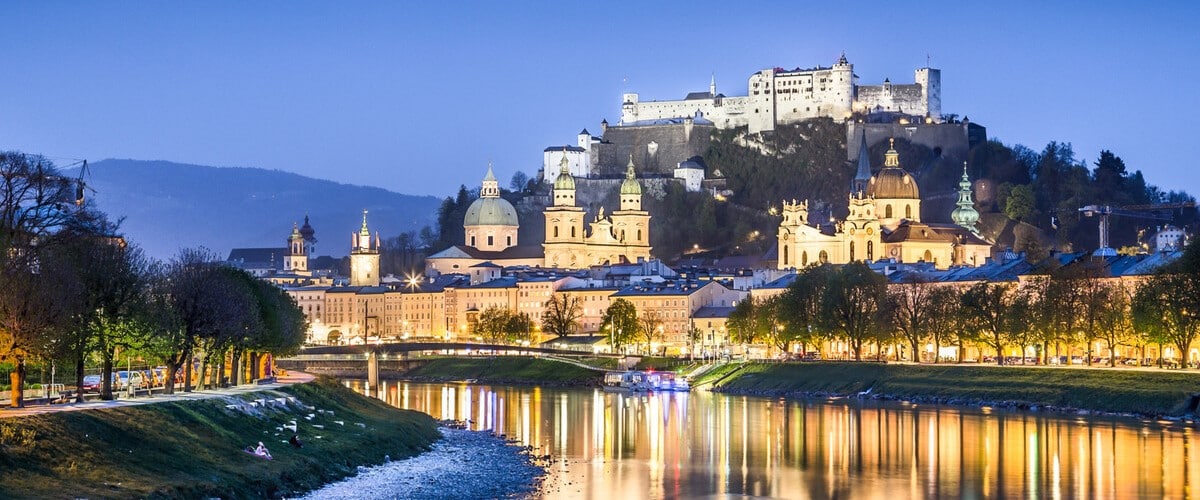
pixel 283 381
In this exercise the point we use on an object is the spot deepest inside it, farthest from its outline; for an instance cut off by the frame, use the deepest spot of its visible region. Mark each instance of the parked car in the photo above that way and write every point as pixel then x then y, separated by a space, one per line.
pixel 91 383
pixel 127 378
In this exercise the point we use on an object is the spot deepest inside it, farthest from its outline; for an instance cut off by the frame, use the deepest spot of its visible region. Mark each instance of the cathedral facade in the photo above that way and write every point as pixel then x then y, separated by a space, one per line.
pixel 884 223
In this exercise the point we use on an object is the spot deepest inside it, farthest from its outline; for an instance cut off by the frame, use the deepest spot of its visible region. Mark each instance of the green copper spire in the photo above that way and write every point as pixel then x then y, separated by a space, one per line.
pixel 965 215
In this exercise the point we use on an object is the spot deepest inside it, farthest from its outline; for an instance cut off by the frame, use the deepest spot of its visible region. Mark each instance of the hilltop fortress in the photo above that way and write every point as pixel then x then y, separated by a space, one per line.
pixel 777 96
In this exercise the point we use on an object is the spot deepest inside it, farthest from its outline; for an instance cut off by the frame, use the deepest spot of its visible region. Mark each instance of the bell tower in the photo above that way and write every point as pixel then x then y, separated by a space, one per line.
pixel 364 256
pixel 295 261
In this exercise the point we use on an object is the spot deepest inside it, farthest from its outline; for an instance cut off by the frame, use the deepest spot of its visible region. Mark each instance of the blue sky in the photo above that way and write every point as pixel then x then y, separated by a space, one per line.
pixel 418 97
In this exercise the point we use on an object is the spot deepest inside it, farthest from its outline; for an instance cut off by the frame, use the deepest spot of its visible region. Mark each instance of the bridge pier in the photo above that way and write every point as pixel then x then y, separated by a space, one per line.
pixel 373 370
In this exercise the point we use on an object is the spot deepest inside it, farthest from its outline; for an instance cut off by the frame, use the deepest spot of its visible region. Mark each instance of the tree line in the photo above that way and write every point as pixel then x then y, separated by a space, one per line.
pixel 1056 312
pixel 73 291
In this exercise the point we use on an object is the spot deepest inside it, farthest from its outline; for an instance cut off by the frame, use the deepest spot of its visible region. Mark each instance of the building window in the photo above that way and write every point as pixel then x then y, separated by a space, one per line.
pixel 908 211
pixel 824 257
pixel 555 231
pixel 572 231
pixel 803 258
pixel 785 256
pixel 851 251
pixel 508 241
pixel 472 241
pixel 870 250
pixel 887 212
pixel 490 242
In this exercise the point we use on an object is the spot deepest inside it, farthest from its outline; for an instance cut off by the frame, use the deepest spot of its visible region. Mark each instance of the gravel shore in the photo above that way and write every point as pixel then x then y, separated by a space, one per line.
pixel 463 464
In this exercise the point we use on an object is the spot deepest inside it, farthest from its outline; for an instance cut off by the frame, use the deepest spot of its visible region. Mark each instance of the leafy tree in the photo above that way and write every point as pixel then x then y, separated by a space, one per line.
pixel 1167 307
pixel 519 182
pixel 493 324
pixel 519 327
pixel 949 325
pixel 562 314
pixel 912 311
pixel 991 312
pixel 1020 203
pixel 746 325
pixel 800 306
pixel 853 304
pixel 621 322
pixel 650 327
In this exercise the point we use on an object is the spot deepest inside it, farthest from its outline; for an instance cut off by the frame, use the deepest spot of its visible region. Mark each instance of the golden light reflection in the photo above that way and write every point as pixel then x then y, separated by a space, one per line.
pixel 703 444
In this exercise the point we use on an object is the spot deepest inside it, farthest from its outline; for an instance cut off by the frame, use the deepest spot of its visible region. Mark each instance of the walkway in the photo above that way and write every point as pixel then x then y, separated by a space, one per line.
pixel 283 381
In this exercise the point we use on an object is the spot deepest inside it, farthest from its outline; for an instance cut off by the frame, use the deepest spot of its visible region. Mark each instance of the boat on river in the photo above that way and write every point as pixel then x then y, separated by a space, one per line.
pixel 644 381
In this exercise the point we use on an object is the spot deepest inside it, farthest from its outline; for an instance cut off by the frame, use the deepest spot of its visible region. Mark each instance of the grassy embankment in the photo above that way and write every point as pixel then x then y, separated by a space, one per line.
pixel 194 448
pixel 505 370
pixel 1113 391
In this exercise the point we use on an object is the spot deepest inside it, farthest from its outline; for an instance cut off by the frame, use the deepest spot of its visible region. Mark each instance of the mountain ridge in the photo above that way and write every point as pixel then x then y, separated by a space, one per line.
pixel 167 205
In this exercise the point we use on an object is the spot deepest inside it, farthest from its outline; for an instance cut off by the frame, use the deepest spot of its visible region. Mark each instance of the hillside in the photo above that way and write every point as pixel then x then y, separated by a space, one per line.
pixel 168 206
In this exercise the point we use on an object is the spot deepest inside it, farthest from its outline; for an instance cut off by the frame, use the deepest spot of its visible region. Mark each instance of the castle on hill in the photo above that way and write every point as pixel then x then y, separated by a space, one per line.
pixel 776 96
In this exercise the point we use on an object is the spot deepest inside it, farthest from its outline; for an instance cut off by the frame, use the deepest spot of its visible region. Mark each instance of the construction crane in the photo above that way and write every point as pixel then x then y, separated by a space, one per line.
pixel 1104 211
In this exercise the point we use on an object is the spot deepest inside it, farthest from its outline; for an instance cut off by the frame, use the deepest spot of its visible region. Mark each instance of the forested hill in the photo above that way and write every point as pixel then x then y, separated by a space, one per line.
pixel 168 206
pixel 1013 185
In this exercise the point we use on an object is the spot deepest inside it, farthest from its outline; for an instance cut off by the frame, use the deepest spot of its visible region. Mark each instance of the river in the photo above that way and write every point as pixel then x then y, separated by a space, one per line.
pixel 701 444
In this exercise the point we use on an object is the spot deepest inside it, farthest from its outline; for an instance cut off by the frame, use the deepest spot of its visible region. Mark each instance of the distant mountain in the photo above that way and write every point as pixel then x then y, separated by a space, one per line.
pixel 168 206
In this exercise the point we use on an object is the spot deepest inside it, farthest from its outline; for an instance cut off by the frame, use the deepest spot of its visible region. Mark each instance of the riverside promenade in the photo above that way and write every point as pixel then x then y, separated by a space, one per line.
pixel 41 409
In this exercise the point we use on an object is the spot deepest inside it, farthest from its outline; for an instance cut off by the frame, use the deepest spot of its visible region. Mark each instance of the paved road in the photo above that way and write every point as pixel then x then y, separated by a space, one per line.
pixel 283 381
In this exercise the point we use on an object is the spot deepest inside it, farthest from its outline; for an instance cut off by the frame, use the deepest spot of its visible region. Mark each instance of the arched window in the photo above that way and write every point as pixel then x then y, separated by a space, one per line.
pixel 555 231
pixel 786 262
pixel 622 235
pixel 870 250
pixel 804 258
pixel 851 251
pixel 824 257
pixel 908 211
pixel 887 211
pixel 928 256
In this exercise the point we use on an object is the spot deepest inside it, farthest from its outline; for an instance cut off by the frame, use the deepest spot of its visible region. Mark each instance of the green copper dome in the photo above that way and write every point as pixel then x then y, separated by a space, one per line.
pixel 491 212
pixel 965 215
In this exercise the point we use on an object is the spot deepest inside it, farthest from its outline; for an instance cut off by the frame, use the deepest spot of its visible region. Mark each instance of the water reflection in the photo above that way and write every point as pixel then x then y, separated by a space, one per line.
pixel 700 444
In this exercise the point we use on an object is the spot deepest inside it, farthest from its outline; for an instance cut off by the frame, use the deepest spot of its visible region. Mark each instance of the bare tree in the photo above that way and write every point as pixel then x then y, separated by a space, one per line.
pixel 562 314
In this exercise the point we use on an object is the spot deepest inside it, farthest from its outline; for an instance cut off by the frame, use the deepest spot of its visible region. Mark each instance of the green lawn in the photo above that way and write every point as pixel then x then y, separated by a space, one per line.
pixel 194 448
pixel 1120 391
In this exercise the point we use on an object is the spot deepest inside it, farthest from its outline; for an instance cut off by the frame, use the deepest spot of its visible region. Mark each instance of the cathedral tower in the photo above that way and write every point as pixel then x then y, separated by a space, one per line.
pixel 491 222
pixel 631 224
pixel 564 243
pixel 364 256
pixel 895 192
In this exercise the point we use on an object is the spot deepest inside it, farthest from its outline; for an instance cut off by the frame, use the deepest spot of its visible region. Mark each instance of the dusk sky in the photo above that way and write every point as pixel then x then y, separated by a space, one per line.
pixel 417 97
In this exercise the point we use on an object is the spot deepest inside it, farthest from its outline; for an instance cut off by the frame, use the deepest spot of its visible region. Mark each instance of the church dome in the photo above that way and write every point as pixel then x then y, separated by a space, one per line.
pixel 491 212
pixel 893 182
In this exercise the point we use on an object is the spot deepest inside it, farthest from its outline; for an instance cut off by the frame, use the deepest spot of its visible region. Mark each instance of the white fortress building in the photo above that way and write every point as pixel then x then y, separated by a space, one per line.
pixel 777 96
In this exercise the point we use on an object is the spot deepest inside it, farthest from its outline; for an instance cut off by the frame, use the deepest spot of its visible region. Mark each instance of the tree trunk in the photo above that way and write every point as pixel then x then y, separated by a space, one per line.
pixel 18 383
pixel 187 370
pixel 169 384
pixel 916 355
pixel 79 361
pixel 106 378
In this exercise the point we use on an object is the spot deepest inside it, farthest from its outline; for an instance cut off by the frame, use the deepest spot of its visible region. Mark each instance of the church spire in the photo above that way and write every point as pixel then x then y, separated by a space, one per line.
pixel 863 176
pixel 965 214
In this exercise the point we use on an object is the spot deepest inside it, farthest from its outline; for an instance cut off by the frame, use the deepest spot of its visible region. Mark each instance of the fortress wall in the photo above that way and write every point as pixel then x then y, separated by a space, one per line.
pixel 673 144
pixel 953 139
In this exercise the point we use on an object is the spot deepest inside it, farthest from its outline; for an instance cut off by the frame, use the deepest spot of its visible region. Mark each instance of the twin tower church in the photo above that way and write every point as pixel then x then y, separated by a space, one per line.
pixel 571 242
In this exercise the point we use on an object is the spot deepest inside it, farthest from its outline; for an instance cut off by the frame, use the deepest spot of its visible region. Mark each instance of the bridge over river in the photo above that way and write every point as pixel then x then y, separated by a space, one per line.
pixel 368 360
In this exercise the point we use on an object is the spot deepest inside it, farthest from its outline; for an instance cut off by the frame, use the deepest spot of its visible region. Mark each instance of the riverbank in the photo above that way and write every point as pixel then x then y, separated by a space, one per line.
pixel 195 448
pixel 505 370
pixel 1144 393
pixel 463 464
